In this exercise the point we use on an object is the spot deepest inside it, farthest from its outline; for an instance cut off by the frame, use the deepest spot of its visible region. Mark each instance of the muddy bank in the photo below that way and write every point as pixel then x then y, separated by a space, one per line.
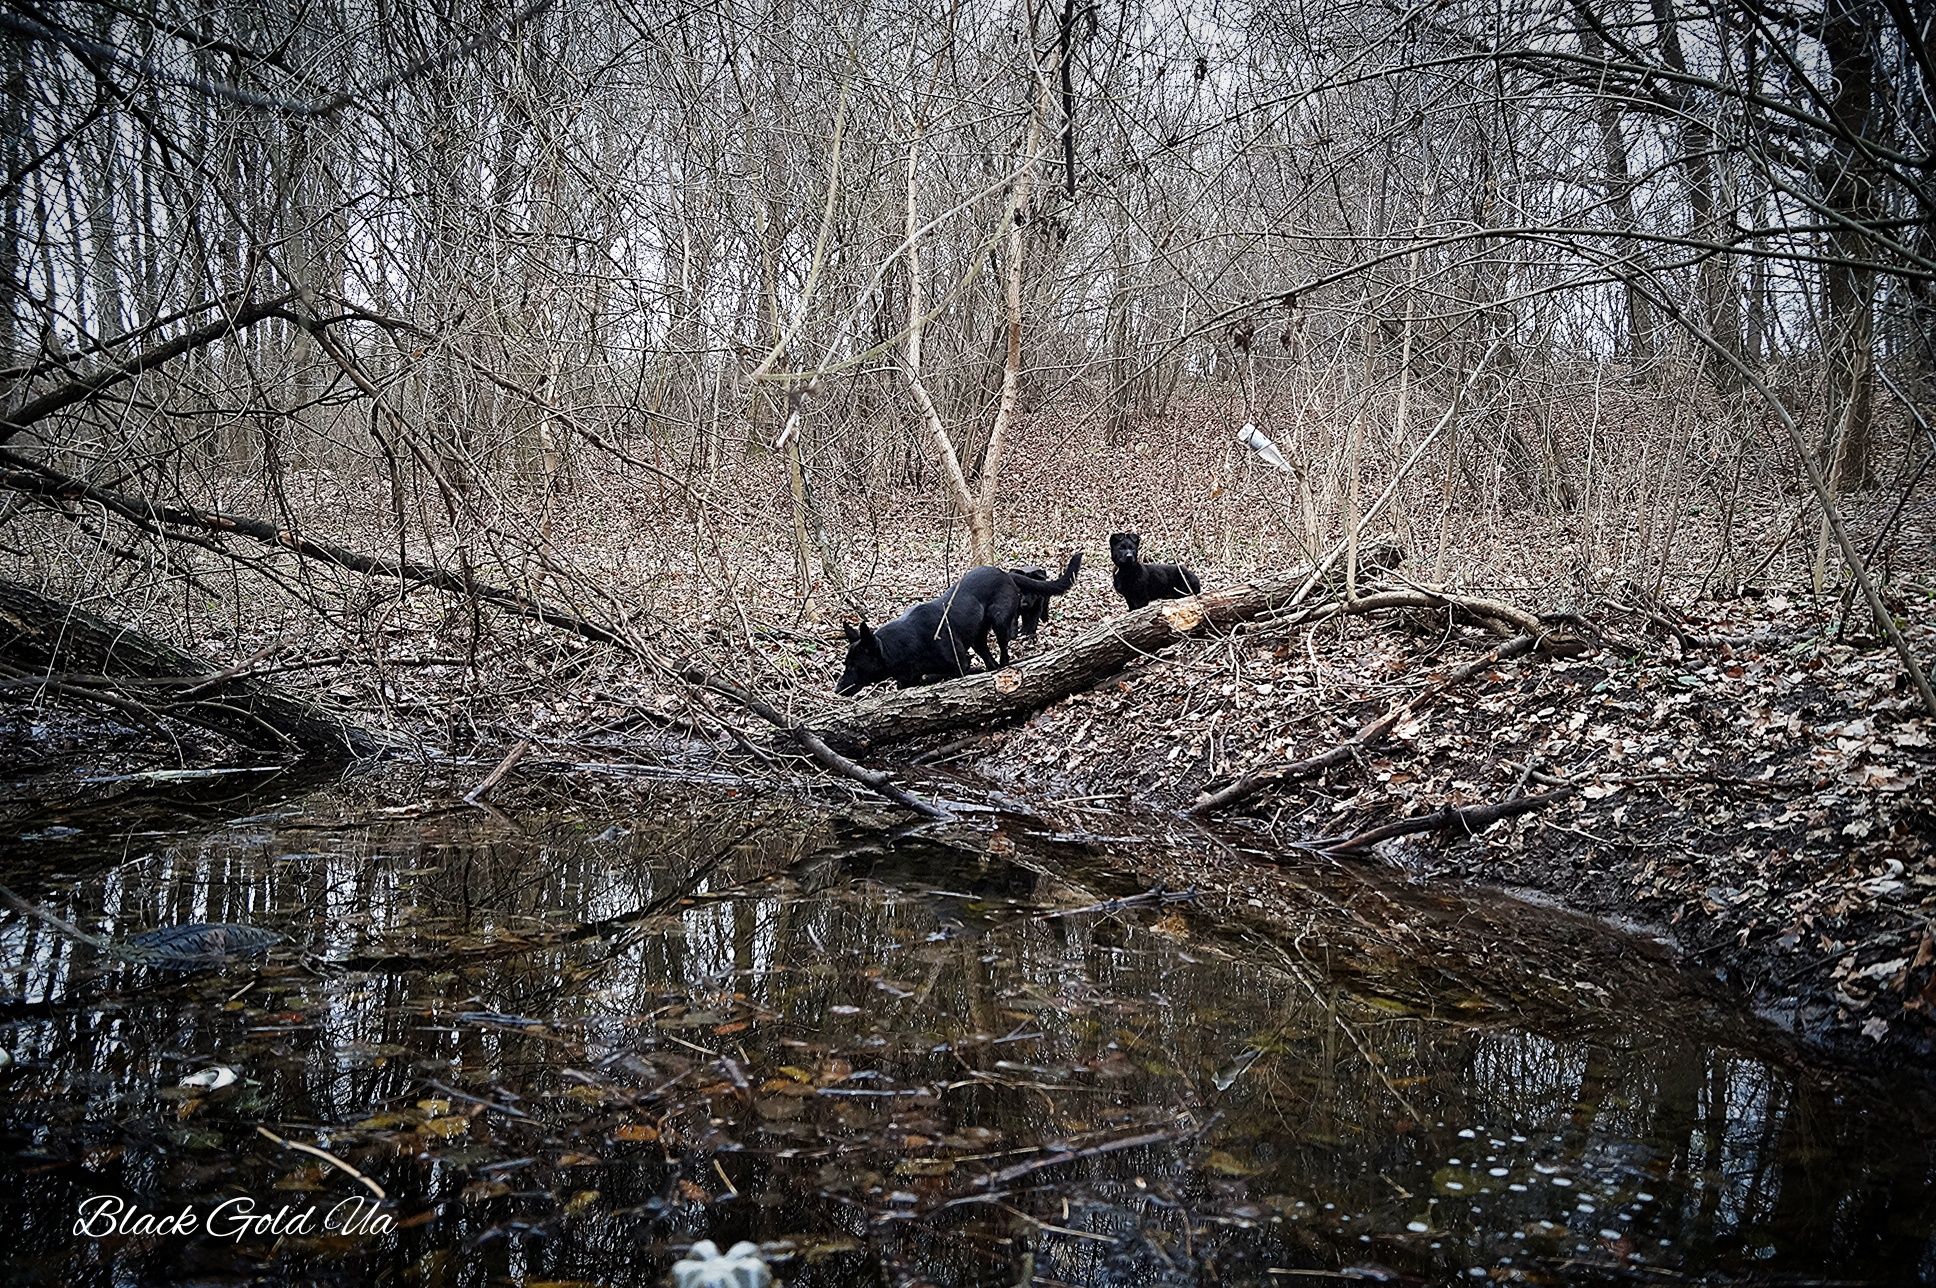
pixel 1756 794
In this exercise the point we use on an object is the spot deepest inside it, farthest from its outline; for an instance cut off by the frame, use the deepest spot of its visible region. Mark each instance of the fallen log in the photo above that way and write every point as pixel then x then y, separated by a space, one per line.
pixel 1015 692
pixel 1468 821
pixel 61 647
pixel 24 475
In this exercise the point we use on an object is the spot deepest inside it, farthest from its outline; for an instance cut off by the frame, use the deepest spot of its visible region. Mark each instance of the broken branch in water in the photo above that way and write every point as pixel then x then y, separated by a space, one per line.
pixel 477 794
pixel 813 745
pixel 1056 1158
pixel 315 1152
pixel 1158 896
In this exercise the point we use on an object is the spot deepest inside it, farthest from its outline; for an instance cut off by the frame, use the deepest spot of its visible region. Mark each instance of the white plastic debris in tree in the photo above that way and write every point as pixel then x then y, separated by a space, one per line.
pixel 1259 442
pixel 705 1266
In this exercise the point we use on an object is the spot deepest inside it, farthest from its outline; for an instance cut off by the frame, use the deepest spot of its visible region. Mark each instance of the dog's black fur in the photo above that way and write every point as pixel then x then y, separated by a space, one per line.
pixel 1034 609
pixel 933 640
pixel 1138 582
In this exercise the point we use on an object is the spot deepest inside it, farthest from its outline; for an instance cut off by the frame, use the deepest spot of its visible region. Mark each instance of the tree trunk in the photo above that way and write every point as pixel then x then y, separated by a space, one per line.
pixel 1850 289
pixel 16 334
pixel 981 522
pixel 1619 197
pixel 70 649
pixel 1715 286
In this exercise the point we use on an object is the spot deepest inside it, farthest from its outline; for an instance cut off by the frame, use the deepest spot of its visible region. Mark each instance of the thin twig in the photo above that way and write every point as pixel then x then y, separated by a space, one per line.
pixel 814 746
pixel 327 1157
pixel 477 794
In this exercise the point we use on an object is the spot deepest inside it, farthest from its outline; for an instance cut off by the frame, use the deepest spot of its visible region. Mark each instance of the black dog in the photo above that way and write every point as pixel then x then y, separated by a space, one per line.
pixel 1138 582
pixel 1035 608
pixel 932 640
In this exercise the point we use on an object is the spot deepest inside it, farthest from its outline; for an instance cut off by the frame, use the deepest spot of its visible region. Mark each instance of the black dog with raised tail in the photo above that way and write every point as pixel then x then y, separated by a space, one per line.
pixel 935 640
pixel 1035 608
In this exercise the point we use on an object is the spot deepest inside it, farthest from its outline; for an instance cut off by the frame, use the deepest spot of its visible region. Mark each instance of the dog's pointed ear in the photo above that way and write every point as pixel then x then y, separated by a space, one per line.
pixel 866 636
pixel 853 636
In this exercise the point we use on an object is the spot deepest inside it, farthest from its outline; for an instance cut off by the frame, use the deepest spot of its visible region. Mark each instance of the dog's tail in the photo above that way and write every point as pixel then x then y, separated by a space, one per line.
pixel 1042 586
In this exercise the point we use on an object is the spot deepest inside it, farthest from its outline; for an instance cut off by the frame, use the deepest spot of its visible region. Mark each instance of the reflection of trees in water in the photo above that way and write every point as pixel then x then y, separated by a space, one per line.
pixel 920 977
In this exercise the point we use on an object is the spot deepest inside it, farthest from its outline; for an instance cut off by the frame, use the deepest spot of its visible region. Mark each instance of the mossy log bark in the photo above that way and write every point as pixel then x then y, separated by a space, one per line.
pixel 45 643
pixel 1015 692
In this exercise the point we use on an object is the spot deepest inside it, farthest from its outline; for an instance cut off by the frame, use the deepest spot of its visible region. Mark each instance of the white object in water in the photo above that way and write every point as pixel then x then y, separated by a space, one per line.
pixel 705 1266
pixel 216 1078
pixel 1259 442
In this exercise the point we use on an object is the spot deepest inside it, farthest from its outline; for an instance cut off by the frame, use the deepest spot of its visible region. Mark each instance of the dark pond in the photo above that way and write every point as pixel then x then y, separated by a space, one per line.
pixel 566 1047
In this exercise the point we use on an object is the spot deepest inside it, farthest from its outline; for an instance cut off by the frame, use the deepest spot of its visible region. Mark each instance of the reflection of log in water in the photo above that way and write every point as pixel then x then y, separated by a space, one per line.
pixel 182 947
pixel 809 1040
pixel 1484 955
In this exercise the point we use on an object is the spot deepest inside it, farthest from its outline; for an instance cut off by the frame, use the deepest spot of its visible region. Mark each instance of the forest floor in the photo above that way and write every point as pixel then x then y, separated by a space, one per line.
pixel 1763 803
pixel 1754 785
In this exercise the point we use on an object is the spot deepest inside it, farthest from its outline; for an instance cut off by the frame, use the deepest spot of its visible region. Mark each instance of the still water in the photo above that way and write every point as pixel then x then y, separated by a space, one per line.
pixel 564 1046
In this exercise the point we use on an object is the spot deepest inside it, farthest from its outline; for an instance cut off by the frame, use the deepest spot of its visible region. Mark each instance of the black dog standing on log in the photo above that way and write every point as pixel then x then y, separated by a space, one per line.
pixel 1034 608
pixel 1139 582
pixel 932 641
